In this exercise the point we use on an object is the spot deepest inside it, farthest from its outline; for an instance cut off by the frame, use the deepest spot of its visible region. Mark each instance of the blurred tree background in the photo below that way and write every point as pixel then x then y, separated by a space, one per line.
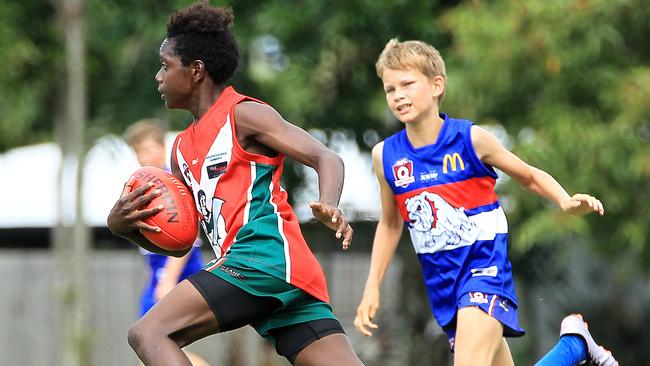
pixel 566 81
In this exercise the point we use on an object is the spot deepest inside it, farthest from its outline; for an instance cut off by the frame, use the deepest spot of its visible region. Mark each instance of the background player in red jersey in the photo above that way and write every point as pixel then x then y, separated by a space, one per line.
pixel 437 176
pixel 255 234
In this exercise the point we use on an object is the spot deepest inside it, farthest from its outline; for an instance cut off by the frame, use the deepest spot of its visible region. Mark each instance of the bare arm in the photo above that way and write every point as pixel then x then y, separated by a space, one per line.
pixel 491 152
pixel 389 230
pixel 171 274
pixel 265 126
pixel 260 128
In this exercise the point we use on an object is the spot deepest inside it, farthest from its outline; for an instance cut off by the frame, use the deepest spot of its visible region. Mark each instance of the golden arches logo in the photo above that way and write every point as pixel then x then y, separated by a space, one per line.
pixel 455 161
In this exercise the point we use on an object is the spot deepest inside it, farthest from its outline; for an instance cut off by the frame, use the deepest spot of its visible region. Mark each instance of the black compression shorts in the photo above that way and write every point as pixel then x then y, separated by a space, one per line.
pixel 235 308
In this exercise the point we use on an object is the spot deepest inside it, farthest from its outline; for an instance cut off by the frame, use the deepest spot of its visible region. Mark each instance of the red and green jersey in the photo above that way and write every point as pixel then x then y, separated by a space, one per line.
pixel 243 209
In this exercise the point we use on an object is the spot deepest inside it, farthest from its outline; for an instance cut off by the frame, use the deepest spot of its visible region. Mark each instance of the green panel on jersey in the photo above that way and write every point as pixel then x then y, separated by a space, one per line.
pixel 260 205
pixel 259 241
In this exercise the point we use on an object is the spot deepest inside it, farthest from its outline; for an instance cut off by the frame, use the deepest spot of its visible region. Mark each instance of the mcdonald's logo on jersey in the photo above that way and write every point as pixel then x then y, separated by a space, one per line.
pixel 454 160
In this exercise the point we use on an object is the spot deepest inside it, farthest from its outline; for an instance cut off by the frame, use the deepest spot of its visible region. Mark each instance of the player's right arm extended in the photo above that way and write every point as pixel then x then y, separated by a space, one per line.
pixel 387 234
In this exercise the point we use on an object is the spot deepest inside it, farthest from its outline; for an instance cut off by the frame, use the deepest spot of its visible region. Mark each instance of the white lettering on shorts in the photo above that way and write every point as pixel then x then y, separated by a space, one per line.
pixel 478 298
pixel 489 271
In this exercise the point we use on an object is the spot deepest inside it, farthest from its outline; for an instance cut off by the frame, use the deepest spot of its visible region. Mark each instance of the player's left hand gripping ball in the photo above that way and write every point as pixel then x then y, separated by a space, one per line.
pixel 178 220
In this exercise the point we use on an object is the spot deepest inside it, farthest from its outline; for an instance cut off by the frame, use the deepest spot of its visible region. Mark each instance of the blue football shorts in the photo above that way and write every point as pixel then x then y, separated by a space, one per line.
pixel 493 305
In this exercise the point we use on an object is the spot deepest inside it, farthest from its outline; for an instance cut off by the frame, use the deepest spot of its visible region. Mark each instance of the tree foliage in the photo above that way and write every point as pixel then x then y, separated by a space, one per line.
pixel 569 80
pixel 31 53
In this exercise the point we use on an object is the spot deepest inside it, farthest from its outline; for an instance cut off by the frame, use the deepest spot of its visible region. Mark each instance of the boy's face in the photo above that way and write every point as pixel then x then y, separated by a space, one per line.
pixel 174 79
pixel 150 152
pixel 411 95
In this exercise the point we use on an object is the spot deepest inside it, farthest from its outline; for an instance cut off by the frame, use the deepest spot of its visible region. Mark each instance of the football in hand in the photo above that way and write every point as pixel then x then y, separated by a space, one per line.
pixel 178 220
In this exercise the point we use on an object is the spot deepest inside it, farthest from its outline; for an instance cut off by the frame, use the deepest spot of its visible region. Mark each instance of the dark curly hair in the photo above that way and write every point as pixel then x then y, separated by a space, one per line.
pixel 200 32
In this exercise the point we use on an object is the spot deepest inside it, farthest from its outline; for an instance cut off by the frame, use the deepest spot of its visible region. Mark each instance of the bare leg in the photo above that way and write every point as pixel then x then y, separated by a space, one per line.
pixel 195 360
pixel 479 338
pixel 177 320
pixel 503 356
pixel 334 349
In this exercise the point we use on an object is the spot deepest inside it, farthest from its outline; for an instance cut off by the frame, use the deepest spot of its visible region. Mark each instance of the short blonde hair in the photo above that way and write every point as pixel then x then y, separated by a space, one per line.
pixel 145 128
pixel 412 54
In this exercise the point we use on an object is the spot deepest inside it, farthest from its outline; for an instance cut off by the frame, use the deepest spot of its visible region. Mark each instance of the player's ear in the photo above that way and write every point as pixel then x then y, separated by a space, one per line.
pixel 198 70
pixel 437 86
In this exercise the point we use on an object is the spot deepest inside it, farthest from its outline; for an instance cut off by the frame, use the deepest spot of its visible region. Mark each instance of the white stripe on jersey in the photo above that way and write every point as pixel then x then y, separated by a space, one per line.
pixel 451 235
pixel 287 257
pixel 490 223
pixel 249 194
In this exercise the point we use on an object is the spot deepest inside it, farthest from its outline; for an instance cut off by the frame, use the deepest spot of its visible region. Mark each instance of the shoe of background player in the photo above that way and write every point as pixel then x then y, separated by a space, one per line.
pixel 574 324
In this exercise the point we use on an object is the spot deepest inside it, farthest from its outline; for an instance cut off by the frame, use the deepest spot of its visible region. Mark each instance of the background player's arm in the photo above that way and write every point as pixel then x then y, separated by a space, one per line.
pixel 260 124
pixel 491 152
pixel 387 234
pixel 171 274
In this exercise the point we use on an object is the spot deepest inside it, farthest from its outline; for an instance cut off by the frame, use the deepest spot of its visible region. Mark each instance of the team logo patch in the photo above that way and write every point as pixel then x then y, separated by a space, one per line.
pixel 215 170
pixel 478 298
pixel 403 172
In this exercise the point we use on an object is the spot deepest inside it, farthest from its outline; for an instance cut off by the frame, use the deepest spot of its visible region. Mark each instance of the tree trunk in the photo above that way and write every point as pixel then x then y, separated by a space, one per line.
pixel 71 237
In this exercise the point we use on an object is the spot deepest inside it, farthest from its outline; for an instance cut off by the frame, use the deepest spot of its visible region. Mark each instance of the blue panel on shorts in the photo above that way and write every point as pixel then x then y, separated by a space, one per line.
pixel 499 308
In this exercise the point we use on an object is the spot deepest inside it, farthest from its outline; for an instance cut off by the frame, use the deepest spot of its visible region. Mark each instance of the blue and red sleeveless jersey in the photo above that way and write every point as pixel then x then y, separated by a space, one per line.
pixel 243 209
pixel 446 197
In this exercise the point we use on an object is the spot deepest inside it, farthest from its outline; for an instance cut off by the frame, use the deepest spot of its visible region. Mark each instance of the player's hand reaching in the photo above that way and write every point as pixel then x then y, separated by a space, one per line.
pixel 127 214
pixel 366 312
pixel 582 204
pixel 333 218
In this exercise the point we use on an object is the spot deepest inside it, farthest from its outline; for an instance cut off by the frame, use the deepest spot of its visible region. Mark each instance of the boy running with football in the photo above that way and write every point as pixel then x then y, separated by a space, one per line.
pixel 264 274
